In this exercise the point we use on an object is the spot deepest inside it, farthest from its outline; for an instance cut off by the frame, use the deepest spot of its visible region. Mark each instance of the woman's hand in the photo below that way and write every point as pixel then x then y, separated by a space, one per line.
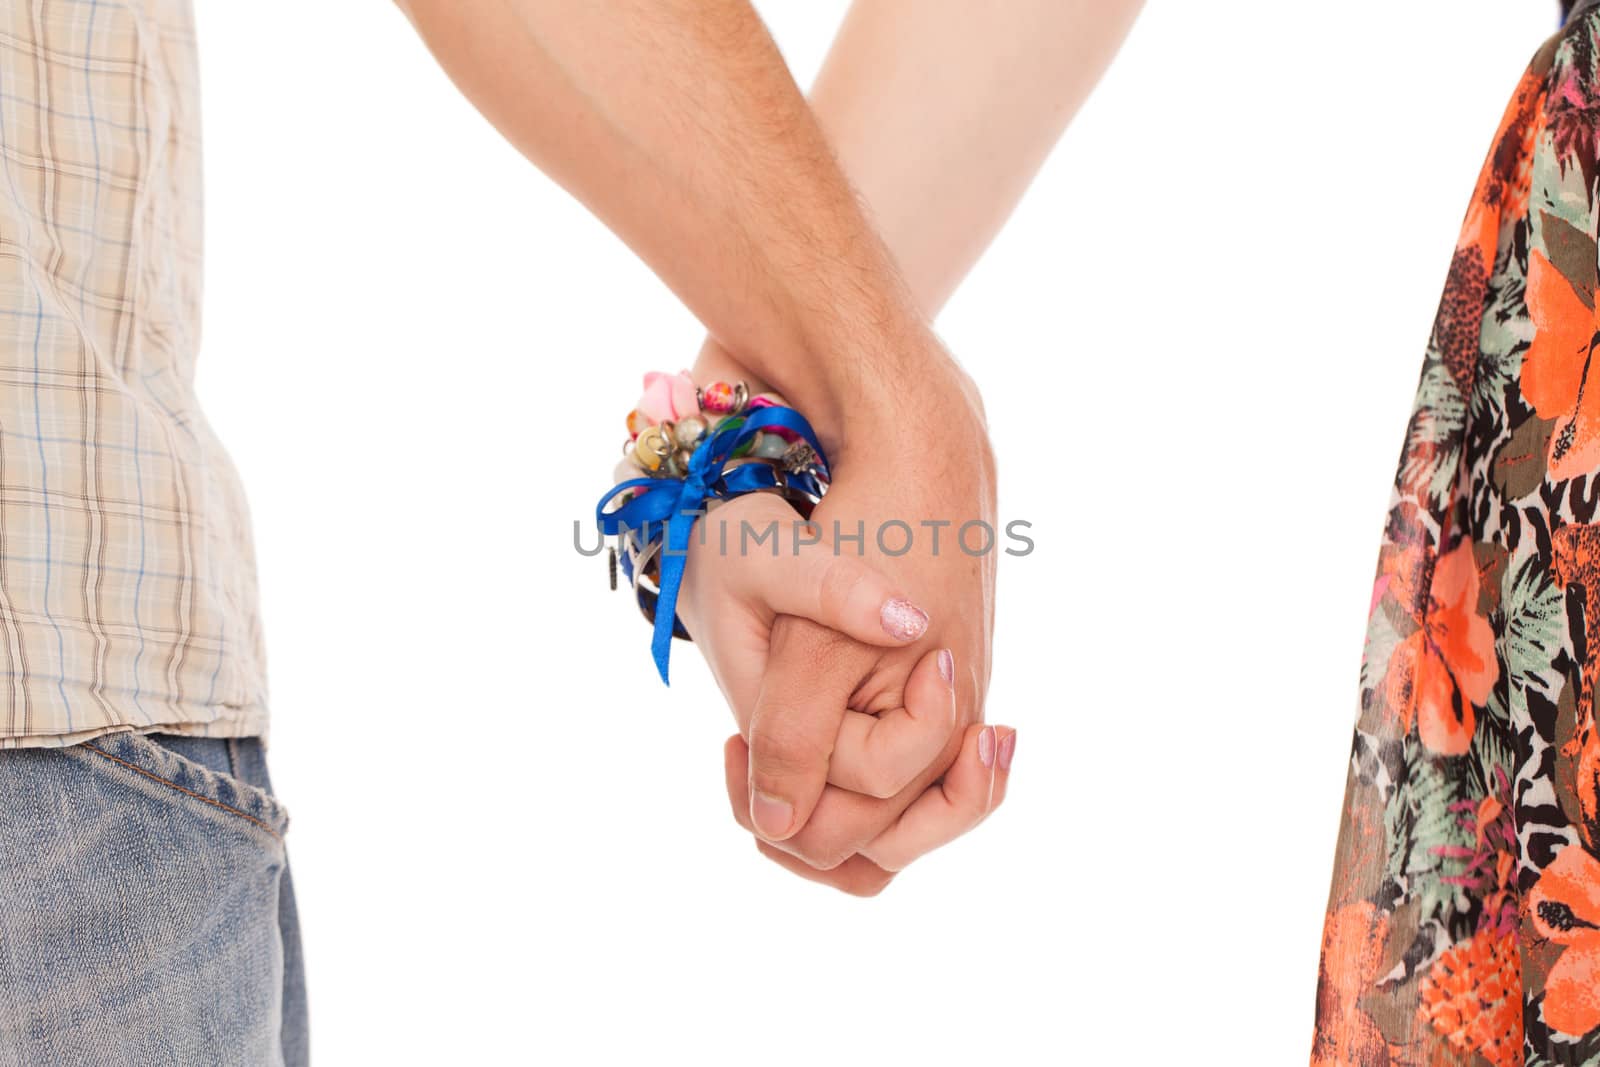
pixel 890 796
pixel 920 459
pixel 752 567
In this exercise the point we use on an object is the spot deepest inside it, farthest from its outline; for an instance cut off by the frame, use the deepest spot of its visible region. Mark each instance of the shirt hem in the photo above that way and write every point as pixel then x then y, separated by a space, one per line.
pixel 221 721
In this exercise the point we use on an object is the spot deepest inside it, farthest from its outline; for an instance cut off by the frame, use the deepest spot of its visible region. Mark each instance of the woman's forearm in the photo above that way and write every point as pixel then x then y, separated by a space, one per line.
pixel 942 111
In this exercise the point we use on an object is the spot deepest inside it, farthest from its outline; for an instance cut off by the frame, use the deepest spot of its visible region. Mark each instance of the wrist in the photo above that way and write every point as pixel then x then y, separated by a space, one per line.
pixel 867 396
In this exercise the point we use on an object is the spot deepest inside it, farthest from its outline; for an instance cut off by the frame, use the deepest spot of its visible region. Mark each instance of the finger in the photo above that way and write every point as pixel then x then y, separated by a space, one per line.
pixel 858 876
pixel 946 810
pixel 841 592
pixel 736 769
pixel 794 725
pixel 842 822
pixel 880 755
pixel 1005 750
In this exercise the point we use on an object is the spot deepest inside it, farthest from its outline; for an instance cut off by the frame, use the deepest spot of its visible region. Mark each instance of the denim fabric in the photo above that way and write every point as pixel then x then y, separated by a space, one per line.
pixel 146 912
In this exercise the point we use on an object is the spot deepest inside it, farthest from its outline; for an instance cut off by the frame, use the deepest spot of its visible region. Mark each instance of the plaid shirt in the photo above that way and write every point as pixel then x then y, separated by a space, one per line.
pixel 127 577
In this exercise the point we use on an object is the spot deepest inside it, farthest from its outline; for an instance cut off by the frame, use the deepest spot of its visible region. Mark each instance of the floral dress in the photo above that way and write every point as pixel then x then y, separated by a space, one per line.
pixel 1463 924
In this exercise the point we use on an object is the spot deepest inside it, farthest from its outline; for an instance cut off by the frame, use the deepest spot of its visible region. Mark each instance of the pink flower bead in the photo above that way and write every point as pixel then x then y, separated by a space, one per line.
pixel 667 397
pixel 718 398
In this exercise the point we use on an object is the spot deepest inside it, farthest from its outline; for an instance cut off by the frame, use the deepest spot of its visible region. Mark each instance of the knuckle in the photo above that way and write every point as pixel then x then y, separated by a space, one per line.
pixel 963 808
pixel 972 797
pixel 870 885
pixel 819 851
pixel 971 809
pixel 837 584
pixel 882 782
pixel 782 749
pixel 824 857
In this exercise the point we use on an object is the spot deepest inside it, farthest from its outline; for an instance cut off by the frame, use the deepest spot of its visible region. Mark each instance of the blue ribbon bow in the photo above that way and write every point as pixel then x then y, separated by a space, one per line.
pixel 673 504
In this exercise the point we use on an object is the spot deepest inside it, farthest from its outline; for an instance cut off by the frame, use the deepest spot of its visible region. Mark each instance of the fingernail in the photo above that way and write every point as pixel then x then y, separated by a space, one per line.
pixel 986 746
pixel 1008 748
pixel 903 620
pixel 947 667
pixel 772 815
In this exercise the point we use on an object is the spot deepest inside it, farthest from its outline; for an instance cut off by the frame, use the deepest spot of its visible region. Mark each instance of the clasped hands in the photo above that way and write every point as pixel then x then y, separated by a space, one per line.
pixel 856 666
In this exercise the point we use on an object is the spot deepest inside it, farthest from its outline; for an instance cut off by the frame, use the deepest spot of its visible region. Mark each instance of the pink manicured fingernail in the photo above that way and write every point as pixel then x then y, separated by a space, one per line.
pixel 772 815
pixel 1008 748
pixel 903 620
pixel 947 667
pixel 986 746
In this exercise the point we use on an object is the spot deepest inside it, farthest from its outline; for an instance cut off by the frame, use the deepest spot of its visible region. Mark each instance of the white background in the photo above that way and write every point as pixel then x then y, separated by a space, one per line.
pixel 1198 339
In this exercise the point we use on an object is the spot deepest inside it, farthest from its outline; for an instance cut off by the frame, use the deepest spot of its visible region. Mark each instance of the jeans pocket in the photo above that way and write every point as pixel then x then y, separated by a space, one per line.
pixel 150 765
pixel 146 913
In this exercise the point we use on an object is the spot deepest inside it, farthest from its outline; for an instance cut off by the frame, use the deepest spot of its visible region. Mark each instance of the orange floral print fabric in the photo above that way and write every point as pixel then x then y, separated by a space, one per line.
pixel 1463 923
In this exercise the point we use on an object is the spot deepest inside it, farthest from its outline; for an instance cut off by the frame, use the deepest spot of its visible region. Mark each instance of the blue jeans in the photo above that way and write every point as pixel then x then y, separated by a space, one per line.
pixel 146 913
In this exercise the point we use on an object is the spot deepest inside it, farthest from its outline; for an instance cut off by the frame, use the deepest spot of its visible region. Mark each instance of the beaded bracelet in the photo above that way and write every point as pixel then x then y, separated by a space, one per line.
pixel 688 450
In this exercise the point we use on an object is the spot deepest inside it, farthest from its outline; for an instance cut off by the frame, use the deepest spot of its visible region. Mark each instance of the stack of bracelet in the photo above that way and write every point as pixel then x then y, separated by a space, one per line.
pixel 688 450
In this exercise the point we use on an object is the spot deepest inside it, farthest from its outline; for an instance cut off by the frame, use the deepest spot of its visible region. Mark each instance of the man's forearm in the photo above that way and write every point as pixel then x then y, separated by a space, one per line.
pixel 678 125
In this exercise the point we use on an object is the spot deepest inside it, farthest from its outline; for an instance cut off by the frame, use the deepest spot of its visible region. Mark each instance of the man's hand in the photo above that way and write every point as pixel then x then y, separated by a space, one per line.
pixel 969 790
